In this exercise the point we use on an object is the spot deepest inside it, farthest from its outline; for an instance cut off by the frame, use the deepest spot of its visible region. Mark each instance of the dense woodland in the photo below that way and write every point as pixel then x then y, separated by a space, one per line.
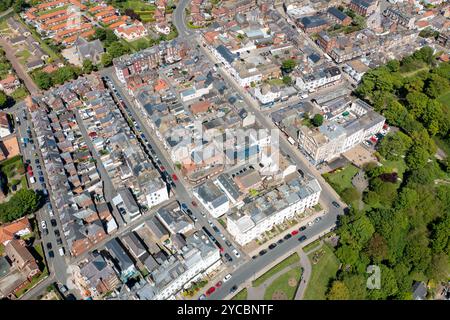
pixel 403 224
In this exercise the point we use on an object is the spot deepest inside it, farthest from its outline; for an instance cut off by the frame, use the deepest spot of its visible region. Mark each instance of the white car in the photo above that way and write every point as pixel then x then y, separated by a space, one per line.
pixel 61 251
pixel 236 253
pixel 310 223
pixel 43 224
pixel 227 277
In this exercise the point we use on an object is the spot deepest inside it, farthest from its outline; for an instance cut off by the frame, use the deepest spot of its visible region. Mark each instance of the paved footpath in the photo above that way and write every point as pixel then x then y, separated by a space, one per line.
pixel 306 264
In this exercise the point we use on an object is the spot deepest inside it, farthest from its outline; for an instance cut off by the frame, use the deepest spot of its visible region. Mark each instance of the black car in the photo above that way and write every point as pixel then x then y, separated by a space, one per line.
pixel 280 241
pixel 262 252
pixel 28 161
pixel 46 232
pixel 228 257
pixel 51 254
pixel 57 233
pixel 41 179
pixel 334 203
pixel 302 238
pixel 216 229
pixel 49 245
pixel 59 241
pixel 228 243
pixel 254 257
pixel 288 236
pixel 233 289
pixel 36 161
pixel 53 222
pixel 272 246
pixel 303 228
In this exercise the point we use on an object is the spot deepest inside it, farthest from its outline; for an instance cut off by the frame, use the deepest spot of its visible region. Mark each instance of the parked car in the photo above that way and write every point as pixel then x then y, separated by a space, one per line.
pixel 59 241
pixel 228 243
pixel 49 245
pixel 228 257
pixel 219 284
pixel 287 237
pixel 57 233
pixel 202 297
pixel 334 203
pixel 236 253
pixel 317 219
pixel 51 254
pixel 302 228
pixel 194 203
pixel 280 241
pixel 43 224
pixel 262 252
pixel 302 238
pixel 254 257
pixel 53 222
pixel 294 232
pixel 272 246
pixel 227 277
pixel 210 291
pixel 174 177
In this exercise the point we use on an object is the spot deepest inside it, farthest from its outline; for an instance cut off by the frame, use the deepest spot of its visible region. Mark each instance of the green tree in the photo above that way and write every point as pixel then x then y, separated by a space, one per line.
pixel 394 145
pixel 439 268
pixel 317 120
pixel 417 102
pixel 287 80
pixel 417 157
pixel 106 59
pixel 117 49
pixel 3 99
pixel 23 202
pixel 338 291
pixel 356 284
pixel 88 66
pixel 288 65
pixel 43 80
pixel 350 195
pixel 435 85
pixel 393 65
pixel 63 74
pixel 377 248
pixel 440 234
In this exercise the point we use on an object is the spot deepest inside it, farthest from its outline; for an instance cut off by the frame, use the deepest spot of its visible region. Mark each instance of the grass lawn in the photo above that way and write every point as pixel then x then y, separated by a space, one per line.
pixel 398 166
pixel 321 274
pixel 147 41
pixel 137 5
pixel 282 284
pixel 313 245
pixel 414 72
pixel 23 56
pixel 293 258
pixel 20 93
pixel 241 295
pixel 276 82
pixel 341 179
pixel 445 99
pixel 2 249
pixel 40 13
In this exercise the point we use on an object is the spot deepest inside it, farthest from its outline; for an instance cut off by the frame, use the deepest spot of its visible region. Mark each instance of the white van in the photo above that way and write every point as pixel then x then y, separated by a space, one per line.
pixel 32 180
pixel 61 251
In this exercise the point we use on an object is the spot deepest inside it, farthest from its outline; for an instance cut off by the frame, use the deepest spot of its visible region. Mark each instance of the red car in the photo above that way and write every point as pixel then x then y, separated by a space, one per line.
pixel 174 177
pixel 210 291
pixel 194 203
pixel 162 168
pixel 294 232
pixel 219 284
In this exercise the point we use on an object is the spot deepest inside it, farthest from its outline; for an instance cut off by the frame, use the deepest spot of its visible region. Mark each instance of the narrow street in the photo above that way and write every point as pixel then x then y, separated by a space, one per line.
pixel 20 70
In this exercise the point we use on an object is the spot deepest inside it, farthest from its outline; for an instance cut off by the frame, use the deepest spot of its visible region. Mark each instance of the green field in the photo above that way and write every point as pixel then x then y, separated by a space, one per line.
pixel 398 166
pixel 293 258
pixel 23 56
pixel 241 295
pixel 322 272
pixel 341 179
pixel 281 287
pixel 137 5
